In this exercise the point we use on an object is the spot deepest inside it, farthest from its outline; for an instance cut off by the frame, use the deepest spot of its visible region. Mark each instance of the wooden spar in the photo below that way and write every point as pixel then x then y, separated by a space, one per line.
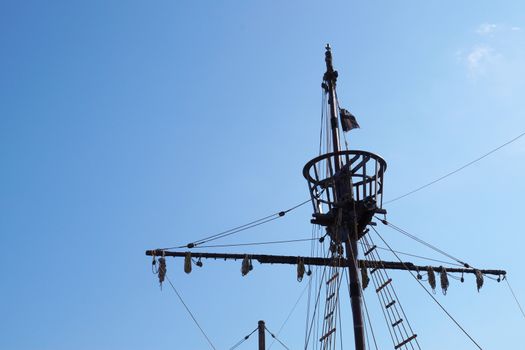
pixel 261 328
pixel 318 261
pixel 330 78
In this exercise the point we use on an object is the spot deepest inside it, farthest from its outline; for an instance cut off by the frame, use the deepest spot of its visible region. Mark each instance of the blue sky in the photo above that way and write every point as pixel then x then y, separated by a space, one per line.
pixel 132 125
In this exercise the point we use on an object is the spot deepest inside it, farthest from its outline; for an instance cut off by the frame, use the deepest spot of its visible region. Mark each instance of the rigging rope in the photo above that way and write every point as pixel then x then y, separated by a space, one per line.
pixel 397 318
pixel 456 170
pixel 274 337
pixel 514 295
pixel 419 240
pixel 191 314
pixel 256 243
pixel 292 310
pixel 315 308
pixel 239 228
pixel 430 294
pixel 243 339
pixel 422 257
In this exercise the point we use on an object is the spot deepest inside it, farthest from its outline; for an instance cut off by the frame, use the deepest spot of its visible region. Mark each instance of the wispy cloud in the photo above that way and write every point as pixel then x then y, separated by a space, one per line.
pixel 495 42
pixel 486 29
pixel 478 57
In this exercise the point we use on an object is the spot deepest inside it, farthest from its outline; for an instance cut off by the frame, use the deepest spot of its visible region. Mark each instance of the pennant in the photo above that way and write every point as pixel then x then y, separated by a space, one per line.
pixel 348 121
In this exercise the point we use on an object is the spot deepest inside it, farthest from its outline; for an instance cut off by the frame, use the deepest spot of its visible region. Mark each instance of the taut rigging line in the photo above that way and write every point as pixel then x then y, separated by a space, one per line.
pixel 419 240
pixel 240 228
pixel 430 294
pixel 456 170
pixel 190 313
pixel 243 339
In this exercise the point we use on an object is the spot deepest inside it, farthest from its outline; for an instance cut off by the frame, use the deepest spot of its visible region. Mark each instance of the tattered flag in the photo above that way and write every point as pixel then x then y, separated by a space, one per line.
pixel 348 121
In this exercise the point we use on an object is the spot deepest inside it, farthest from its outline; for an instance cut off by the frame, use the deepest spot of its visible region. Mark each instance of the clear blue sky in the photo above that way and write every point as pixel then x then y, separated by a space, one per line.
pixel 132 125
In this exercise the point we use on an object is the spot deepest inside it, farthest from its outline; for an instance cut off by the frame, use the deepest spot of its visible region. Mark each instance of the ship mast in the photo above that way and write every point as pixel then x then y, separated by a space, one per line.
pixel 346 190
pixel 330 80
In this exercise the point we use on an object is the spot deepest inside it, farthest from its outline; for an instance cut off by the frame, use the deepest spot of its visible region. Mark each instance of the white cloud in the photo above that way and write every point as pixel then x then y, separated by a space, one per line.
pixel 478 56
pixel 497 45
pixel 486 28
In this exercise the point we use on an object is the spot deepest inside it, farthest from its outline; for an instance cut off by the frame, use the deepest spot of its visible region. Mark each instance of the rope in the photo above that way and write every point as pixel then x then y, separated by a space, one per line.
pixel 457 170
pixel 392 314
pixel 430 294
pixel 375 280
pixel 315 250
pixel 323 99
pixel 256 243
pixel 514 295
pixel 315 308
pixel 419 240
pixel 274 337
pixel 422 257
pixel 292 310
pixel 243 339
pixel 240 228
pixel 191 314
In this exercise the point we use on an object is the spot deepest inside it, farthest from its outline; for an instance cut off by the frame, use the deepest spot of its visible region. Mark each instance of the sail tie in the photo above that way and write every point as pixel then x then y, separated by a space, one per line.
pixel 187 262
pixel 162 269
pixel 444 280
pixel 246 265
pixel 364 277
pixel 479 279
pixel 300 269
pixel 431 278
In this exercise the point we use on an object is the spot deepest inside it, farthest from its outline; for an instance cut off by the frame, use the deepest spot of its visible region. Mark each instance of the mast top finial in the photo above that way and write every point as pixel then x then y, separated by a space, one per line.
pixel 330 73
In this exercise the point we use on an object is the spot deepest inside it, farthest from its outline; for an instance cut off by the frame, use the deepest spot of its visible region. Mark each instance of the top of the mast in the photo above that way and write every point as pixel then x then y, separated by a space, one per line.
pixel 331 74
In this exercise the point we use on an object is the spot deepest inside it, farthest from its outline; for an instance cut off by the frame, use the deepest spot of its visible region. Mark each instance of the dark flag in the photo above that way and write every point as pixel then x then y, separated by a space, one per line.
pixel 348 121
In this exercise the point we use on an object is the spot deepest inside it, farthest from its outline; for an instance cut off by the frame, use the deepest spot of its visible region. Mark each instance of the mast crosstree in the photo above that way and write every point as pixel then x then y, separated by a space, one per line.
pixel 346 190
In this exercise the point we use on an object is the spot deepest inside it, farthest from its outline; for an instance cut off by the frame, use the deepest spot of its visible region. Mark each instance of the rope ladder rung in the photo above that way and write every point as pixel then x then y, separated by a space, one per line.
pixel 390 304
pixel 330 297
pixel 370 250
pixel 329 315
pixel 397 322
pixel 406 341
pixel 384 285
pixel 331 279
pixel 327 334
